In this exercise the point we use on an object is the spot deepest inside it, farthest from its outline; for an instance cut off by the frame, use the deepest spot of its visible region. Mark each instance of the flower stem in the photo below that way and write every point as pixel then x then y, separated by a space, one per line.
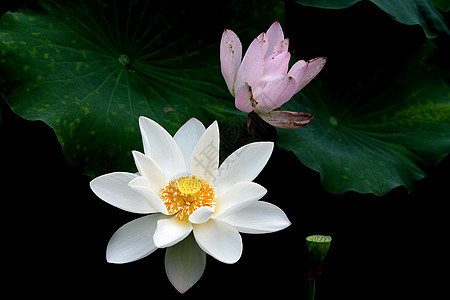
pixel 312 290
pixel 318 246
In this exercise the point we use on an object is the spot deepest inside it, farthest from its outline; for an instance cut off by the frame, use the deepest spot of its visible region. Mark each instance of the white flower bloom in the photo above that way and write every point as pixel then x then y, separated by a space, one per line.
pixel 183 189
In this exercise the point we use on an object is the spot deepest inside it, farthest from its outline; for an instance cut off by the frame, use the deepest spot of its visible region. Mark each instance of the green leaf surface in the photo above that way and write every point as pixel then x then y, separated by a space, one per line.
pixel 443 5
pixel 409 12
pixel 89 69
pixel 371 140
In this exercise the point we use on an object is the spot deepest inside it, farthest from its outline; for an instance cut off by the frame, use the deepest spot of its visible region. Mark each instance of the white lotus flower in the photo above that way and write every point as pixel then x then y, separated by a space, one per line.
pixel 183 189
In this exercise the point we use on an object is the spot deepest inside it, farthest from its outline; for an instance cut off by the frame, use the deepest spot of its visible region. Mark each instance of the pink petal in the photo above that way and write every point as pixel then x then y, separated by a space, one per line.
pixel 274 66
pixel 276 93
pixel 275 36
pixel 298 69
pixel 251 68
pixel 230 57
pixel 281 47
pixel 244 99
pixel 307 74
pixel 287 119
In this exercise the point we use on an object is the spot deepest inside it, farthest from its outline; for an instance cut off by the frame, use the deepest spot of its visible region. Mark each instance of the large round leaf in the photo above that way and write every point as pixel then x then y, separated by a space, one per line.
pixel 410 12
pixel 371 140
pixel 89 69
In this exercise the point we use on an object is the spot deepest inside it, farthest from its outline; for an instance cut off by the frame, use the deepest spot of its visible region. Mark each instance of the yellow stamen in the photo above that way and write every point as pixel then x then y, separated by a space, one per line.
pixel 184 195
pixel 189 185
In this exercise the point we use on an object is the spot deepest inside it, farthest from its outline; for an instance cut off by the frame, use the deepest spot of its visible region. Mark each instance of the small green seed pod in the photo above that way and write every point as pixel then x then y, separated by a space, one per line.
pixel 318 245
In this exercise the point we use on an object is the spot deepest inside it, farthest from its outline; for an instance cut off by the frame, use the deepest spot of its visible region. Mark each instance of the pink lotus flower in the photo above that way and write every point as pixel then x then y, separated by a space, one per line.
pixel 261 82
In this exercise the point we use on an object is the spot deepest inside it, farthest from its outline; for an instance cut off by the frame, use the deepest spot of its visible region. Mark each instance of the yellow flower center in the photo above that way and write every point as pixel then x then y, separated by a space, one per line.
pixel 184 195
pixel 189 185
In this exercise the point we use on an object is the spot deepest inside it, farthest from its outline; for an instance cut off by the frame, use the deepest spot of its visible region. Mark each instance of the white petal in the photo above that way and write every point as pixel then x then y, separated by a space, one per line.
pixel 113 188
pixel 187 138
pixel 185 263
pixel 220 240
pixel 171 231
pixel 240 195
pixel 133 240
pixel 243 164
pixel 161 147
pixel 201 215
pixel 260 217
pixel 204 160
pixel 141 186
pixel 149 169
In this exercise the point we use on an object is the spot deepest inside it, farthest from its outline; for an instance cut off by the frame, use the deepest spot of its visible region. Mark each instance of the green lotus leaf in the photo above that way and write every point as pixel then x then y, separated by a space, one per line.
pixel 371 140
pixel 89 69
pixel 409 12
